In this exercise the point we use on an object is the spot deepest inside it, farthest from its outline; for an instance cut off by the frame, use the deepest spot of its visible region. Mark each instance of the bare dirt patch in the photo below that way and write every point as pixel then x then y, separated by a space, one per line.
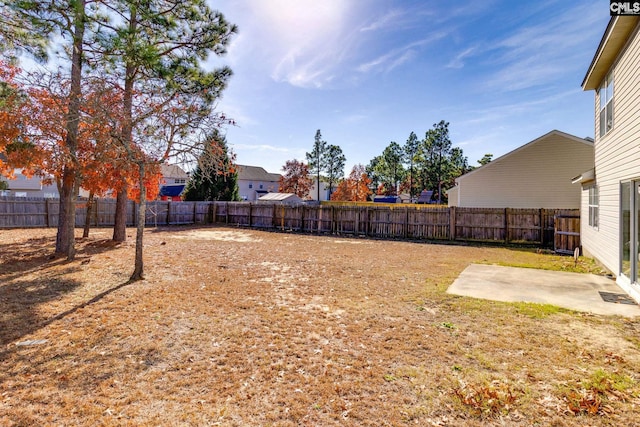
pixel 240 327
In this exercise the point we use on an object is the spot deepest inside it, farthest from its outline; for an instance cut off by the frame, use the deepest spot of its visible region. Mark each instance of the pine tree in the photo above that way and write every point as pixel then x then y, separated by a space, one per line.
pixel 215 177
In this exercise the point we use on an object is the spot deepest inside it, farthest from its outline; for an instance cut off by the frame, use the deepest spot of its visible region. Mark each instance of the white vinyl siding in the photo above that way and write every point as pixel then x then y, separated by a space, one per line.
pixel 536 175
pixel 617 157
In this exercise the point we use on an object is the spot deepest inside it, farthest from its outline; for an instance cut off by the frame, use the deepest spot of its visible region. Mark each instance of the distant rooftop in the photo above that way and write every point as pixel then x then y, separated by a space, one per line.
pixel 256 173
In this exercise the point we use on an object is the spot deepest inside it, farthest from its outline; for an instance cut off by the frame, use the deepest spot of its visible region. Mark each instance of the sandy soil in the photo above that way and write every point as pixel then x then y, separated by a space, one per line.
pixel 239 327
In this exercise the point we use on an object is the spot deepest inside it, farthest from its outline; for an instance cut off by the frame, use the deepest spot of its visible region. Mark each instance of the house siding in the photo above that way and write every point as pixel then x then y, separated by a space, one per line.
pixel 617 157
pixel 537 175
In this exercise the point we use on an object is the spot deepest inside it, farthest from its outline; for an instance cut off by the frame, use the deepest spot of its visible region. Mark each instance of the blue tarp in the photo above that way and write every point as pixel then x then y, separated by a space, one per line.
pixel 171 190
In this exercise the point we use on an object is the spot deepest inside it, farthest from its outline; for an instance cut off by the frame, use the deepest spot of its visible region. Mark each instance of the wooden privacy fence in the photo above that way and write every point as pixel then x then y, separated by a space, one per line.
pixel 543 227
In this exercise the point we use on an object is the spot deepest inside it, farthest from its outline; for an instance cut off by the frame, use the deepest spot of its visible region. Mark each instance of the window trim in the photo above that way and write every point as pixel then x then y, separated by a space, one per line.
pixel 606 110
pixel 594 206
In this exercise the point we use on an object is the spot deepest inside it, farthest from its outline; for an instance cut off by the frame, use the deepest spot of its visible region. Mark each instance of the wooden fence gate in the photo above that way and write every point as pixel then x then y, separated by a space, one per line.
pixel 566 234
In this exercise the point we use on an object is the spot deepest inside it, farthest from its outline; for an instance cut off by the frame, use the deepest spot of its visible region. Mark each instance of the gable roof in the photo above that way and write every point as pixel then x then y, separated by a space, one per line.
pixel 613 41
pixel 586 141
pixel 173 171
pixel 256 173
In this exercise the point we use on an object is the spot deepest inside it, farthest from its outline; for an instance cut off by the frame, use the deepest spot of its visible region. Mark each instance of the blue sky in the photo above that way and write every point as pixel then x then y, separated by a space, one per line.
pixel 368 72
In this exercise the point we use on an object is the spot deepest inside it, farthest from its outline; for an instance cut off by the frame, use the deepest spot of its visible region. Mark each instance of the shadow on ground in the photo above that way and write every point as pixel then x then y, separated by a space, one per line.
pixel 31 276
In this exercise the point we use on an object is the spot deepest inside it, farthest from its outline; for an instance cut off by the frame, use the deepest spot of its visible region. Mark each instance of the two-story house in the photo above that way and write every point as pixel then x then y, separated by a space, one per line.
pixel 610 203
pixel 174 181
pixel 254 182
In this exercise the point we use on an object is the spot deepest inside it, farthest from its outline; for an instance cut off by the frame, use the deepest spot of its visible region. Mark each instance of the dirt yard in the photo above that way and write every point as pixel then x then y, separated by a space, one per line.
pixel 237 327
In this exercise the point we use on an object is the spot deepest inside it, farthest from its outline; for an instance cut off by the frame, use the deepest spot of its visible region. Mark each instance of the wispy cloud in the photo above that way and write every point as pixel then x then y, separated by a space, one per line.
pixel 398 56
pixel 387 20
pixel 264 148
pixel 536 54
pixel 458 60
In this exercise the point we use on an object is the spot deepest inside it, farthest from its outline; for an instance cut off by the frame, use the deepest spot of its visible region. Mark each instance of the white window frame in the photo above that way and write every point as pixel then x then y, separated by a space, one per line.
pixel 606 93
pixel 594 206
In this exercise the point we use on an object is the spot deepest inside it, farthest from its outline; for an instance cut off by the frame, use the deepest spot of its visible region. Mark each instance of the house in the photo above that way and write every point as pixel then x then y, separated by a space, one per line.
pixel 280 198
pixel 254 181
pixel 175 180
pixel 324 189
pixel 610 208
pixel 535 175
pixel 24 186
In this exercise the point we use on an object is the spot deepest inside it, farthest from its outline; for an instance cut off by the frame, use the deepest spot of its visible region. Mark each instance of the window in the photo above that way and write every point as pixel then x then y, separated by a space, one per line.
pixel 179 181
pixel 261 186
pixel 593 206
pixel 251 185
pixel 606 105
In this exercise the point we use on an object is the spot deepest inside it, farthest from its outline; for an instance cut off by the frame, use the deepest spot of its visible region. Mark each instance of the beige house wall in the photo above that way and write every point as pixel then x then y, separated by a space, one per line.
pixel 617 157
pixel 536 175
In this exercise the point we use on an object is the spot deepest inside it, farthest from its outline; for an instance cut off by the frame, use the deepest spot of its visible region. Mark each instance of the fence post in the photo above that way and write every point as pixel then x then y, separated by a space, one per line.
pixel 226 215
pixel 46 213
pixel 195 211
pixel 212 212
pixel 506 225
pixel 406 223
pixel 452 223
pixel 250 213
pixel 541 227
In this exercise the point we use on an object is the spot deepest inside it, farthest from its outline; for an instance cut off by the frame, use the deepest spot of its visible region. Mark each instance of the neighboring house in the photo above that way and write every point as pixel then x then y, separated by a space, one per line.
pixel 22 186
pixel 610 211
pixel 535 175
pixel 324 189
pixel 280 198
pixel 254 182
pixel 175 179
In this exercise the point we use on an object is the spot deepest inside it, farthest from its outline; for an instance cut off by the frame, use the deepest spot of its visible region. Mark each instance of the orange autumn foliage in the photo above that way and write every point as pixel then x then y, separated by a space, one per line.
pixel 355 188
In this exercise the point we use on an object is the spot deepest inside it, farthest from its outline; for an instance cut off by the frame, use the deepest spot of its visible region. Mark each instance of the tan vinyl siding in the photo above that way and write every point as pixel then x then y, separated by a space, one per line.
pixel 617 156
pixel 537 175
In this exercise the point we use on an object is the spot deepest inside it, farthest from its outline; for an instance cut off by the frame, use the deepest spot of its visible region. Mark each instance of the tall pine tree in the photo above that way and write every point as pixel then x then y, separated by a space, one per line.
pixel 215 177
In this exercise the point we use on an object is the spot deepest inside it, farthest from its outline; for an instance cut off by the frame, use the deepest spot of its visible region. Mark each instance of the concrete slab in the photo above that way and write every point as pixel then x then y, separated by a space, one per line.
pixel 574 291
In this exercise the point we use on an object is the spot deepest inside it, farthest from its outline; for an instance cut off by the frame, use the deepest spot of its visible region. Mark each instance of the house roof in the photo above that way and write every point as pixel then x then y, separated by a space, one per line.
pixel 256 173
pixel 613 41
pixel 587 141
pixel 173 171
pixel 171 190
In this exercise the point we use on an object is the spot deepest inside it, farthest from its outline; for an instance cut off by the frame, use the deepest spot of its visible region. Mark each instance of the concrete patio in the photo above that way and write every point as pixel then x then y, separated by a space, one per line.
pixel 574 291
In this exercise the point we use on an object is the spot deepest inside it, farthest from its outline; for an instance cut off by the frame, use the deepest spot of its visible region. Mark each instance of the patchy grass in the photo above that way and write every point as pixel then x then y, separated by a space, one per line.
pixel 240 327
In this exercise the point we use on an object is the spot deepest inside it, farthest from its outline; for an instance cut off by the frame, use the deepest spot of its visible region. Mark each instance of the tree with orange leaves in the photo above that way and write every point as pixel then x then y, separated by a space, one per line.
pixel 14 105
pixel 355 188
pixel 295 179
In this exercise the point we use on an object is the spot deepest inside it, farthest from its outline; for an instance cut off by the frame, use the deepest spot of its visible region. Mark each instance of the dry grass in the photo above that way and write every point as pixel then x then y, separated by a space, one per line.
pixel 238 327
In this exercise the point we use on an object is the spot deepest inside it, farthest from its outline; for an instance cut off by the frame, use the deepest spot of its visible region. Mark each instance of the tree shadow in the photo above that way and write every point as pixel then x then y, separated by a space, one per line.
pixel 36 254
pixel 21 298
pixel 20 301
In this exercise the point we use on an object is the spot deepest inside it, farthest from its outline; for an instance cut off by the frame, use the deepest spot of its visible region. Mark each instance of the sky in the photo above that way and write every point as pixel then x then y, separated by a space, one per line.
pixel 369 72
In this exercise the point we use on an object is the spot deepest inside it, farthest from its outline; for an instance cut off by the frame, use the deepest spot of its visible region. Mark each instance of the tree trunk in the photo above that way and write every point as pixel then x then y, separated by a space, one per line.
pixel 65 240
pixel 138 271
pixel 87 221
pixel 120 226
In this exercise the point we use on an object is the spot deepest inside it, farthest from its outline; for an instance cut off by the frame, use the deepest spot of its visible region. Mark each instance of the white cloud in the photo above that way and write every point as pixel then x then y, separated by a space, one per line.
pixel 537 54
pixel 263 148
pixel 458 60
pixel 397 57
pixel 387 20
